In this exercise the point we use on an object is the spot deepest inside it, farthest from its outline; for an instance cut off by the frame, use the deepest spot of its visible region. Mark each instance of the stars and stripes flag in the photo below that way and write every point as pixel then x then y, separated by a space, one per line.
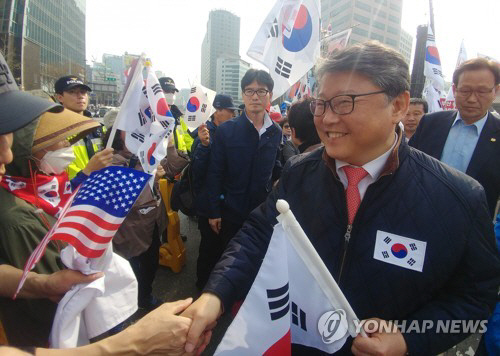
pixel 288 42
pixel 276 311
pixel 94 213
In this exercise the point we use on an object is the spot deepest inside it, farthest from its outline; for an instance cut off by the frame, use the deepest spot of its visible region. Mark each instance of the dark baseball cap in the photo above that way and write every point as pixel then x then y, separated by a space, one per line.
pixel 69 82
pixel 167 83
pixel 18 108
pixel 223 101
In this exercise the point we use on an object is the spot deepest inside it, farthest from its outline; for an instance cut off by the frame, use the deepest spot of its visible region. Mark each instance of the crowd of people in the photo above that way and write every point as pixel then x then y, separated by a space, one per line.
pixel 359 159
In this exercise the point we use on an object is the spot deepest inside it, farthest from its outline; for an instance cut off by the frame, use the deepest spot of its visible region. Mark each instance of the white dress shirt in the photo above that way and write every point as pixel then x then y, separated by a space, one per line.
pixel 374 168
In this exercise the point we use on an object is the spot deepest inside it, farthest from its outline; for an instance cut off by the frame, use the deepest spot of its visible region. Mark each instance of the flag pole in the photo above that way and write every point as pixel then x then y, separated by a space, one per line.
pixel 120 114
pixel 315 264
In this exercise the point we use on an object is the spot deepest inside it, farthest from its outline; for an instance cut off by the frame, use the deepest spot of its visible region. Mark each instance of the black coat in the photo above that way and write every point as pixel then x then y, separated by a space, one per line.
pixel 416 197
pixel 484 165
pixel 242 168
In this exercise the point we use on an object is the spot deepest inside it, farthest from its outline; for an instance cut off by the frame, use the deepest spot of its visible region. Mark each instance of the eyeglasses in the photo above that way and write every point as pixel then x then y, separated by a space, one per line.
pixel 260 92
pixel 466 92
pixel 340 104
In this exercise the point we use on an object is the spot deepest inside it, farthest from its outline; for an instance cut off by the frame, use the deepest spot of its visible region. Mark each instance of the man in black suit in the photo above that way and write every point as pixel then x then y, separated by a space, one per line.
pixel 468 139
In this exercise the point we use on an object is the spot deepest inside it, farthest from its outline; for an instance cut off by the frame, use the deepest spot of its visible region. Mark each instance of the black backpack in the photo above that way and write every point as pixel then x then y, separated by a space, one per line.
pixel 183 193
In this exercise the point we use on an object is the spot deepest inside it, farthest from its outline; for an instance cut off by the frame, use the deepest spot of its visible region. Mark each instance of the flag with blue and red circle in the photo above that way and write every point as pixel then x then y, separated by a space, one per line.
pixel 288 42
pixel 432 64
pixel 400 251
pixel 199 106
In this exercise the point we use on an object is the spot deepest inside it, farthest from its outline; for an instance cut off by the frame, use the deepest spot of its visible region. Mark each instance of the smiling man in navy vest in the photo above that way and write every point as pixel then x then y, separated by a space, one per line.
pixel 468 139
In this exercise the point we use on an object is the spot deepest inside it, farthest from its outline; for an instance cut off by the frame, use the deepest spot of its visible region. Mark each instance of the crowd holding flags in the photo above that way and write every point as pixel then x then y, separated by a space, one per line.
pixel 277 310
pixel 288 42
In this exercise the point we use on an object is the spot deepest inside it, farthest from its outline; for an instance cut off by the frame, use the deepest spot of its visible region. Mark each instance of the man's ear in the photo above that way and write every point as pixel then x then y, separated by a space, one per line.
pixel 400 106
pixel 59 98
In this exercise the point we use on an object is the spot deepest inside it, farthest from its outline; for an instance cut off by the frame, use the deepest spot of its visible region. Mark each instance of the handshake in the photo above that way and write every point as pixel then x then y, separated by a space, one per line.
pixel 163 332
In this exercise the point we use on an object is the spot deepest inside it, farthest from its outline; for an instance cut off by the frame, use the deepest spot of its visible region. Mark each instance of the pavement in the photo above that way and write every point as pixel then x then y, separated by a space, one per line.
pixel 171 286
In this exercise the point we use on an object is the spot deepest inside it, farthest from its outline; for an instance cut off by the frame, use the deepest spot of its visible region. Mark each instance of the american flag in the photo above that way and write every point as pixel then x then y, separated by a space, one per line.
pixel 98 209
pixel 94 213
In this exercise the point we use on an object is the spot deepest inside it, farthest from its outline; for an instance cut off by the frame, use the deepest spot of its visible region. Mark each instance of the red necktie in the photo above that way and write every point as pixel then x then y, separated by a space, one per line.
pixel 354 176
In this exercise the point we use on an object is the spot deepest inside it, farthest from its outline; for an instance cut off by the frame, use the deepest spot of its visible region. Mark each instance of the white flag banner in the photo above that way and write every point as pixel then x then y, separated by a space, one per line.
pixel 433 97
pixel 131 114
pixel 449 104
pixel 432 64
pixel 288 41
pixel 277 312
pixel 161 124
pixel 199 106
pixel 336 42
pixel 450 98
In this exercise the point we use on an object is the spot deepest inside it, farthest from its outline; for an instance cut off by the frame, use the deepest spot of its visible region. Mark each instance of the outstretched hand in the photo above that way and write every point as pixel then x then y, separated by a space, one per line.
pixel 161 332
pixel 204 313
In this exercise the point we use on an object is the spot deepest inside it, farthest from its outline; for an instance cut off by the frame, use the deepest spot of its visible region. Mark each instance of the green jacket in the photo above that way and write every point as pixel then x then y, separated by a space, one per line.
pixel 26 322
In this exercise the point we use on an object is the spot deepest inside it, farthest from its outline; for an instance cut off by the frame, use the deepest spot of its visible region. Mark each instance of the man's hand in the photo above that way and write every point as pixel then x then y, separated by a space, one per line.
pixel 204 314
pixel 215 224
pixel 379 342
pixel 161 332
pixel 54 286
pixel 204 135
pixel 99 160
pixel 160 172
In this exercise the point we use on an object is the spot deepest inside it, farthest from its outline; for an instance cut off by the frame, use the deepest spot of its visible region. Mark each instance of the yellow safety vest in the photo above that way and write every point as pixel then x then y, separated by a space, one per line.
pixel 81 157
pixel 184 139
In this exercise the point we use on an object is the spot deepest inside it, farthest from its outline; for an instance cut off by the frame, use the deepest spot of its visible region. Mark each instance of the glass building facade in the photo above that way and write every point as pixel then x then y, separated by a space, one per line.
pixel 221 39
pixel 43 40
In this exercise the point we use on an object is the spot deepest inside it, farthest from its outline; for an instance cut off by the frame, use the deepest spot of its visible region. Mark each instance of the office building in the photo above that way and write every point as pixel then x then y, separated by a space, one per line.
pixel 222 39
pixel 369 19
pixel 405 45
pixel 43 40
pixel 230 70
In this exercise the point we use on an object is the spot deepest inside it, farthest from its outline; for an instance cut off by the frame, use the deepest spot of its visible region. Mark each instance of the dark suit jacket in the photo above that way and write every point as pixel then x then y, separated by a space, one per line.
pixel 484 165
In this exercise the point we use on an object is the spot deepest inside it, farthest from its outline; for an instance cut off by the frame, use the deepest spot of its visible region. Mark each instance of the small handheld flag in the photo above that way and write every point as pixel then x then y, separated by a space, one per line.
pixel 94 213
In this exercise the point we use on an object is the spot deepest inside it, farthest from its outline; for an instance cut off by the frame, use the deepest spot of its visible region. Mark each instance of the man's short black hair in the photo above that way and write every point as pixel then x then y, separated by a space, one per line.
pixel 261 76
pixel 301 120
pixel 416 101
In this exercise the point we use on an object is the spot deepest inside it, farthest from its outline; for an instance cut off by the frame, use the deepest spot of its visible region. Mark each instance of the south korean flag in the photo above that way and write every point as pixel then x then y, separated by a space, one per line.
pixel 199 106
pixel 288 41
pixel 400 251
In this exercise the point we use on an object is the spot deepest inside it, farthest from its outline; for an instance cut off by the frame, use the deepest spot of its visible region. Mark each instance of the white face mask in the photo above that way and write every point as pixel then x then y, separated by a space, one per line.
pixel 55 162
pixel 170 98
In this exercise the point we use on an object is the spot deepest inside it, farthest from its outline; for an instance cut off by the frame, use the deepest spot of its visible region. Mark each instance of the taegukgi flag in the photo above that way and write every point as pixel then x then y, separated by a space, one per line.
pixel 432 64
pixel 199 106
pixel 145 117
pixel 288 42
pixel 278 311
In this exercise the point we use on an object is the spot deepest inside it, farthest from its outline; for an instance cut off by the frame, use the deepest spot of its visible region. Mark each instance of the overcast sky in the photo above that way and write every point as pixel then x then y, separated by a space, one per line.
pixel 170 32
